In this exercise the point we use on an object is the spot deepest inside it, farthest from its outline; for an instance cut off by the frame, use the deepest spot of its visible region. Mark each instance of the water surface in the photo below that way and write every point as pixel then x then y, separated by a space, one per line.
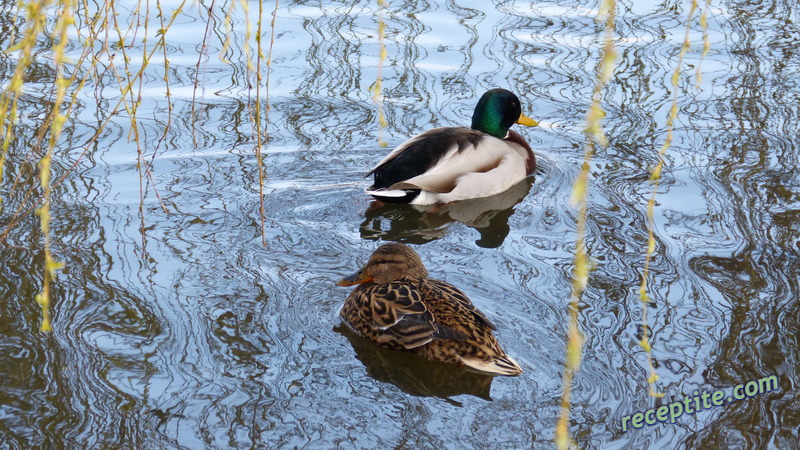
pixel 179 329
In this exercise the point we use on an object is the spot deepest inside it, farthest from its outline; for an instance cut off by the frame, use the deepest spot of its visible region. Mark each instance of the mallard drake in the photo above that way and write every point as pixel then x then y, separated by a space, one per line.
pixel 399 307
pixel 455 163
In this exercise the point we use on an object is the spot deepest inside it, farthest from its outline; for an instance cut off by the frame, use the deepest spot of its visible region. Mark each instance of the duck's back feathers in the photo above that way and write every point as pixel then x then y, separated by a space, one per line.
pixel 395 316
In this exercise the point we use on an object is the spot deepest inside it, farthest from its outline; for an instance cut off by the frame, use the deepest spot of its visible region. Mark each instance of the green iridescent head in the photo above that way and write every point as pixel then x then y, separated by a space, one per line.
pixel 496 111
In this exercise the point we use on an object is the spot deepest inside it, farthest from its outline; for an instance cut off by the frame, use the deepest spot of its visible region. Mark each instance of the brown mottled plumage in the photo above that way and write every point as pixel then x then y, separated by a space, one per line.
pixel 399 307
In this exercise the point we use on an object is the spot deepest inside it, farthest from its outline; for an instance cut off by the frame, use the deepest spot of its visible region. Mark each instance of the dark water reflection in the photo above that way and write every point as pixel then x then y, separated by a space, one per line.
pixel 179 329
pixel 416 375
pixel 421 224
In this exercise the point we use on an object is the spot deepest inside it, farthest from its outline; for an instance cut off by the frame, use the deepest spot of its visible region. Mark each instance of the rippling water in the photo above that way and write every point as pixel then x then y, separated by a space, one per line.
pixel 180 329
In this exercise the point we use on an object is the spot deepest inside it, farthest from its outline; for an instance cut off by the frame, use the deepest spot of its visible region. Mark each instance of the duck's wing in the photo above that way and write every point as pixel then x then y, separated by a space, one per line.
pixel 397 311
pixel 461 314
pixel 481 166
pixel 460 302
pixel 422 153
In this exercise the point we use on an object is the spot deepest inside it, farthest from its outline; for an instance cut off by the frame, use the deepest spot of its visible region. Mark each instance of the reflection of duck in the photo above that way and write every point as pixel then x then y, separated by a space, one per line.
pixel 419 224
pixel 416 375
pixel 455 163
pixel 399 307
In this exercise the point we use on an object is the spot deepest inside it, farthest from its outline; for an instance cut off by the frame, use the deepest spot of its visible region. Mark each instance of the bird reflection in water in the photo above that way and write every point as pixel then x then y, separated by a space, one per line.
pixel 418 224
pixel 416 375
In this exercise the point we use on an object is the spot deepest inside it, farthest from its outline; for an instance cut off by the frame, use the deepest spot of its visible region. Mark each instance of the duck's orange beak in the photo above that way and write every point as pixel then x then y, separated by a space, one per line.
pixel 527 121
pixel 356 278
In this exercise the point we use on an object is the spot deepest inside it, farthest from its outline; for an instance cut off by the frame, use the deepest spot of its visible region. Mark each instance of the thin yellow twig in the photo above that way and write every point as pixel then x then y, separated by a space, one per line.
pixel 65 20
pixel 9 99
pixel 203 48
pixel 260 134
pixel 124 91
pixel 263 134
pixel 655 178
pixel 377 88
pixel 706 42
pixel 580 278
pixel 43 129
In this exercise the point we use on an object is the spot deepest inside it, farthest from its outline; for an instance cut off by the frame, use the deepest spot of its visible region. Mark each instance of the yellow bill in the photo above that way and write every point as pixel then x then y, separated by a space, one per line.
pixel 527 121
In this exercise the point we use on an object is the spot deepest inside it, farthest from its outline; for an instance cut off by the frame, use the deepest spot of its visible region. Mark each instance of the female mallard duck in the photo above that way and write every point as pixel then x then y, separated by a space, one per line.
pixel 399 307
pixel 456 163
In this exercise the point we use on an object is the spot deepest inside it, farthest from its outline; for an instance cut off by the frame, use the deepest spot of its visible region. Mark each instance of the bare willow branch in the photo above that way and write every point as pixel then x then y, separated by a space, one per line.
pixel 580 276
pixel 655 178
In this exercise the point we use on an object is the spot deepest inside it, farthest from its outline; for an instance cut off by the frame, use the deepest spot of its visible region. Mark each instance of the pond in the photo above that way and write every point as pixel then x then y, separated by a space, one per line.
pixel 177 324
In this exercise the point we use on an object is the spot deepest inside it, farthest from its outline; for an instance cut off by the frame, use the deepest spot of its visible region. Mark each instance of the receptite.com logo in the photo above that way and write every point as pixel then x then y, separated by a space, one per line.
pixel 698 402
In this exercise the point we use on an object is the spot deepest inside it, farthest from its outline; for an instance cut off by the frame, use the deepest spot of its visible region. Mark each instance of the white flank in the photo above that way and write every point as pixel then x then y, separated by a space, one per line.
pixel 387 193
